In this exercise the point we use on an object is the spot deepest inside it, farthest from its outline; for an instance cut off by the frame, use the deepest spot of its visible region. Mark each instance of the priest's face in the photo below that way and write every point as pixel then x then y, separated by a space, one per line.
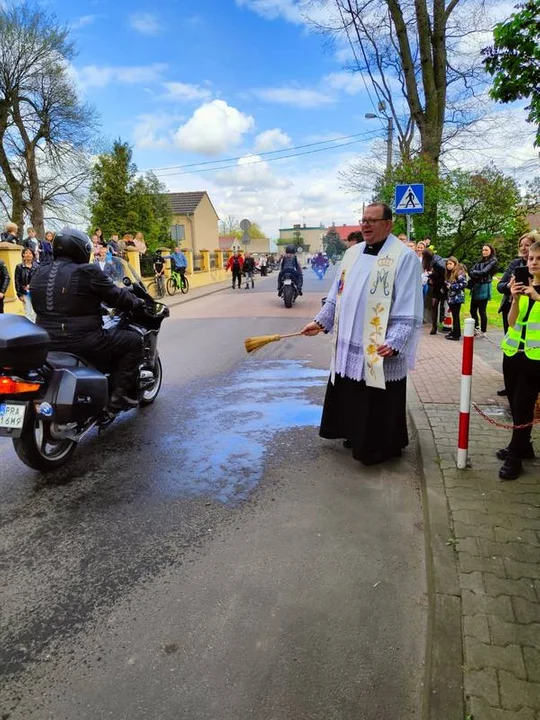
pixel 374 227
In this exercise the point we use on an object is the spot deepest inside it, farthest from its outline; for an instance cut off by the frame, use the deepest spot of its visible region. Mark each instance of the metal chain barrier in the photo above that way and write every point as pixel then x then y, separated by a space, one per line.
pixel 506 426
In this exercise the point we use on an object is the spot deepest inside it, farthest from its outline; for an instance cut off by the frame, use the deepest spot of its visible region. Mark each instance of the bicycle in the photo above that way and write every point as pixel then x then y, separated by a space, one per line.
pixel 156 288
pixel 177 281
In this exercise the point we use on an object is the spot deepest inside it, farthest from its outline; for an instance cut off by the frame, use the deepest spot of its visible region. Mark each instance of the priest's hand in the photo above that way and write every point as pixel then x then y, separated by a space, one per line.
pixel 386 351
pixel 311 328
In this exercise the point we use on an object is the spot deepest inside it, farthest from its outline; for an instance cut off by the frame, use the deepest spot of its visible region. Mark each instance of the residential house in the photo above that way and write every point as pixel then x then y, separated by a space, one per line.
pixel 312 236
pixel 195 221
pixel 344 230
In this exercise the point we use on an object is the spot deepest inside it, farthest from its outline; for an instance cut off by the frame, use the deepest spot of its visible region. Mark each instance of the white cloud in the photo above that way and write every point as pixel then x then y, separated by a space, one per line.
pixel 100 76
pixel 281 193
pixel 213 128
pixel 299 97
pixel 145 23
pixel 270 140
pixel 347 82
pixel 83 21
pixel 185 92
pixel 290 10
pixel 251 174
pixel 152 131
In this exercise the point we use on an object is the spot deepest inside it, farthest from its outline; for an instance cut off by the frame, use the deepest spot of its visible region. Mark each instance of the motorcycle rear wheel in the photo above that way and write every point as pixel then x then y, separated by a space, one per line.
pixel 288 296
pixel 39 451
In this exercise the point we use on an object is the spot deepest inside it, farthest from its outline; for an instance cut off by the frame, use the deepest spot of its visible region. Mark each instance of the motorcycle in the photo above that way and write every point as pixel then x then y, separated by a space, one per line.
pixel 289 291
pixel 320 271
pixel 49 400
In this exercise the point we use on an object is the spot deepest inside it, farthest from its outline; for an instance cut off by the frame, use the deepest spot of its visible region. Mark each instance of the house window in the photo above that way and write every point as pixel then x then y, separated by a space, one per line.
pixel 178 232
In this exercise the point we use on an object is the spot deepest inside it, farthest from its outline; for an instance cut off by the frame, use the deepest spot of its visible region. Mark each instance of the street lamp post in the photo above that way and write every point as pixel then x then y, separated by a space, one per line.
pixel 389 137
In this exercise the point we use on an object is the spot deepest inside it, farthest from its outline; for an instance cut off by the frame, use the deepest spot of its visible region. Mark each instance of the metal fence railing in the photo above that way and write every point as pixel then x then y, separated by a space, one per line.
pixel 213 260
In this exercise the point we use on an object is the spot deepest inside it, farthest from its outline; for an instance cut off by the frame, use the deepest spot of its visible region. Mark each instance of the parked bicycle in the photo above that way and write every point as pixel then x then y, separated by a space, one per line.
pixel 177 281
pixel 156 287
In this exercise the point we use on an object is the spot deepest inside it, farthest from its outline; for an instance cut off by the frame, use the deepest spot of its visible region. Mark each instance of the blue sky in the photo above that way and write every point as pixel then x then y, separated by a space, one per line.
pixel 189 82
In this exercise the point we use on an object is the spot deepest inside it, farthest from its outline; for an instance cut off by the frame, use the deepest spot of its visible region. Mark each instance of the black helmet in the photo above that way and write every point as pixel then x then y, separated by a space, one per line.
pixel 290 249
pixel 72 243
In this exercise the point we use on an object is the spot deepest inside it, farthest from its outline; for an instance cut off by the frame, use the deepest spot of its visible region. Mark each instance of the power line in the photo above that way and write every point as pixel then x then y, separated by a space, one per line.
pixel 269 152
pixel 282 157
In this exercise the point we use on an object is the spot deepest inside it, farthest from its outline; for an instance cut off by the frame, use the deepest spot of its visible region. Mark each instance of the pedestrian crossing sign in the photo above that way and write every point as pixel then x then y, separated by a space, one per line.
pixel 409 199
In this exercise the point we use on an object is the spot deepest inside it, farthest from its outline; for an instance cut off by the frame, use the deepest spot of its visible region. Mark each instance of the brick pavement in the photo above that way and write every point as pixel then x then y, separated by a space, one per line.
pixel 494 528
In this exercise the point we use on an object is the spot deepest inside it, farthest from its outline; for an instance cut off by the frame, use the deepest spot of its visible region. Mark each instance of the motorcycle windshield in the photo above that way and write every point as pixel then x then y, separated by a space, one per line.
pixel 118 270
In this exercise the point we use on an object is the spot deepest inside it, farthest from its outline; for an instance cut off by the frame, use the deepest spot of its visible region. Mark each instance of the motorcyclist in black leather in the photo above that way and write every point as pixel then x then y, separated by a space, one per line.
pixel 67 296
pixel 289 263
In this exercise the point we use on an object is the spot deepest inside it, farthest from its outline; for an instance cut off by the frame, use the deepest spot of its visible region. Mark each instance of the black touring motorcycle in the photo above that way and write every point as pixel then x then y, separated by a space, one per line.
pixel 50 400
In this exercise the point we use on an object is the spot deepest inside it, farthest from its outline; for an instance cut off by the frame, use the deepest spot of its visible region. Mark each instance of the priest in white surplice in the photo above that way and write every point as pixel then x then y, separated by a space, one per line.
pixel 375 310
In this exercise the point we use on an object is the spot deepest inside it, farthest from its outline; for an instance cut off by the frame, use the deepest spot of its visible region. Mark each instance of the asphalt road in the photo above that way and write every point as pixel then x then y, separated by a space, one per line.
pixel 210 557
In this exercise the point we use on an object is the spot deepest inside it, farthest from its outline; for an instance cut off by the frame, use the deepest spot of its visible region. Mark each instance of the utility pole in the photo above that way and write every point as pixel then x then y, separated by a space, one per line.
pixel 389 137
pixel 389 141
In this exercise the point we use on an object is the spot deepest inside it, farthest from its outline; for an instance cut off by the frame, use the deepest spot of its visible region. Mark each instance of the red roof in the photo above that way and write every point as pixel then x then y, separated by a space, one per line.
pixel 345 230
pixel 225 241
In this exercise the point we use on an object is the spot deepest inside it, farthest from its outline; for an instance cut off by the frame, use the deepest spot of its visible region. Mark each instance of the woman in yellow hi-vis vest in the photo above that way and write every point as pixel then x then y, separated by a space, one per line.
pixel 521 362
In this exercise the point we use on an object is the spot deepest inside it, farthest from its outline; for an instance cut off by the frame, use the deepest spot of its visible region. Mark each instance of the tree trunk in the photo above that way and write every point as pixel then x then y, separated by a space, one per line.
pixel 34 187
pixel 15 187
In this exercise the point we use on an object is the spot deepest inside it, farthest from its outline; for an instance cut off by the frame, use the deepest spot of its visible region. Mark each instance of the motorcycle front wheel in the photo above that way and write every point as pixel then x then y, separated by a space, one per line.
pixel 38 450
pixel 151 393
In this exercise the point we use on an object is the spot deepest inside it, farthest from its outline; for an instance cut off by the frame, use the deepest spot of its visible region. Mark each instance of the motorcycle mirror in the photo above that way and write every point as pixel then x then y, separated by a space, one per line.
pixel 126 281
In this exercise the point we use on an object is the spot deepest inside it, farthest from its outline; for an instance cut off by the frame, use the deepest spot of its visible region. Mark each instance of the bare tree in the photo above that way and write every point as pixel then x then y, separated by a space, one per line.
pixel 229 226
pixel 414 55
pixel 43 126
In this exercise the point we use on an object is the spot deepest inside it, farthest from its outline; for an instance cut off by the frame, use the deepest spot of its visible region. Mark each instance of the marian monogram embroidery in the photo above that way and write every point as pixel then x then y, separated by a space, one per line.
pixel 384 264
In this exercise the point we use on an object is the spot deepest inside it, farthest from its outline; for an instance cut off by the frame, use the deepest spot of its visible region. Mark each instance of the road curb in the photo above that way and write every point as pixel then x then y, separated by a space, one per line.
pixel 443 680
pixel 180 299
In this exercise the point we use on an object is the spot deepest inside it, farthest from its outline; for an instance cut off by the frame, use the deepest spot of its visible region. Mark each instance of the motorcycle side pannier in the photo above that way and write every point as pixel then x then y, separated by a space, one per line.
pixel 77 393
pixel 23 345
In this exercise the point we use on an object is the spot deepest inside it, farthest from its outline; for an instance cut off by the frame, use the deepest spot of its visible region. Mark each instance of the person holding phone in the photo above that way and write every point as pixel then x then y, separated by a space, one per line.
pixel 521 362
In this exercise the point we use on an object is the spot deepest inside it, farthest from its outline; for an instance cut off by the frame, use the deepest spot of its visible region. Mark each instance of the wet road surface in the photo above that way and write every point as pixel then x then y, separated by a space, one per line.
pixel 210 557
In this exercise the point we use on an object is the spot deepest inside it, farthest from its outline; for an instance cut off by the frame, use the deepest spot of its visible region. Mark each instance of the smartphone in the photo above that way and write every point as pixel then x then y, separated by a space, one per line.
pixel 522 275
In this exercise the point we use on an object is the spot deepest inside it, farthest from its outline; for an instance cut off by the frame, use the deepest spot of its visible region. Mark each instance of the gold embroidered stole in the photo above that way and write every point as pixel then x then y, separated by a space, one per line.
pixel 378 301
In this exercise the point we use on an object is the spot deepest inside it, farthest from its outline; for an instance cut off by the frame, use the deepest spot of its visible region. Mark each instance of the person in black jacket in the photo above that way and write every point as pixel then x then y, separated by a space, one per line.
pixel 525 242
pixel 4 283
pixel 23 276
pixel 289 263
pixel 481 275
pixel 248 269
pixel 435 268
pixel 67 296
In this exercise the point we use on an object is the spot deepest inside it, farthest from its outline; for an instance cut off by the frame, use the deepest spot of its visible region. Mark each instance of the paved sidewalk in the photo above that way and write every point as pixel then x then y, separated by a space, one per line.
pixel 194 293
pixel 483 540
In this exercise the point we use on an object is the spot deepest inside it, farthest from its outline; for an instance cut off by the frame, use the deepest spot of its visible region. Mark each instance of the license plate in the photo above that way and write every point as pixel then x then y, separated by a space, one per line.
pixel 12 415
pixel 287 282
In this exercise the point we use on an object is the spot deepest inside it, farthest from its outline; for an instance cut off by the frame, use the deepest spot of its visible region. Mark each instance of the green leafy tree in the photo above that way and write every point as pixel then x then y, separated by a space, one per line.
pixel 514 60
pixel 479 207
pixel 297 239
pixel 333 245
pixel 122 201
pixel 110 181
pixel 472 208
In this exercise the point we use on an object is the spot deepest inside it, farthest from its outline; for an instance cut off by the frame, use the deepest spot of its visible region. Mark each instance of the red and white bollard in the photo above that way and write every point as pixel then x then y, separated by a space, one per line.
pixel 465 395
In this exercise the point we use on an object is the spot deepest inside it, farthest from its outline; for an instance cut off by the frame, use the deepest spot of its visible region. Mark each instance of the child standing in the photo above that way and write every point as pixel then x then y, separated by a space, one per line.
pixel 455 282
pixel 521 364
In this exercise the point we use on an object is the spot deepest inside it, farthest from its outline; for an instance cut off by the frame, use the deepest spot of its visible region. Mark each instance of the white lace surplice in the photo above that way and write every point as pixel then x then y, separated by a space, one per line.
pixel 404 322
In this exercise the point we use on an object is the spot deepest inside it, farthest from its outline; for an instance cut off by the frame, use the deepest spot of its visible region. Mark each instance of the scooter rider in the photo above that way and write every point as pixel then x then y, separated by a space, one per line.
pixel 290 264
pixel 67 296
